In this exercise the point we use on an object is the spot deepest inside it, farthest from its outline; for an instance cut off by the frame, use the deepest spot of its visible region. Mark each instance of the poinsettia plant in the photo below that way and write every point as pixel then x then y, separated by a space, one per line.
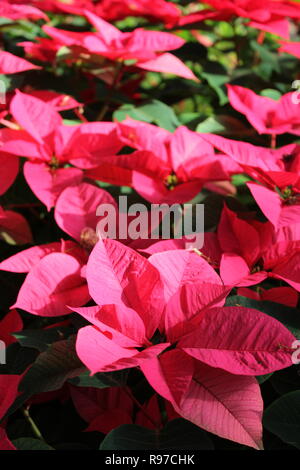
pixel 149 225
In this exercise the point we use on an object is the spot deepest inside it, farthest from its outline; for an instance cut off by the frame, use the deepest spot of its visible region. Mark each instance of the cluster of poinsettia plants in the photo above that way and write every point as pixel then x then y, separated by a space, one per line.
pixel 117 341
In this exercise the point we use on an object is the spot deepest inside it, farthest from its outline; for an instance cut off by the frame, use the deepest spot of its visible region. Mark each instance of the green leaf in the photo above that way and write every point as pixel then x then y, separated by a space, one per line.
pixel 101 380
pixel 283 418
pixel 225 29
pixel 52 368
pixel 263 378
pixel 269 62
pixel 6 81
pixel 28 443
pixel 271 93
pixel 153 112
pixel 286 380
pixel 217 82
pixel 41 339
pixel 17 359
pixel 63 53
pixel 24 29
pixel 240 180
pixel 225 125
pixel 71 122
pixel 188 117
pixel 177 434
pixel 216 74
pixel 4 21
pixel 211 125
pixel 288 316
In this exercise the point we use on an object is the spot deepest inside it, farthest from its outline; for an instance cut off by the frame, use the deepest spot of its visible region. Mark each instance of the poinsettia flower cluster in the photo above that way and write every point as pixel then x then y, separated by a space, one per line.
pixel 38 133
pixel 166 167
pixel 144 48
pixel 175 328
pixel 270 17
pixel 16 10
pixel 266 115
pixel 157 10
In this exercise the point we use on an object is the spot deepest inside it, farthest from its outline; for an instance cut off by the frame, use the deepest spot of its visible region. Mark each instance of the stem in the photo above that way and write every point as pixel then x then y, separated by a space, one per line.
pixel 273 141
pixel 261 37
pixel 141 407
pixel 34 427
pixel 116 79
pixel 80 115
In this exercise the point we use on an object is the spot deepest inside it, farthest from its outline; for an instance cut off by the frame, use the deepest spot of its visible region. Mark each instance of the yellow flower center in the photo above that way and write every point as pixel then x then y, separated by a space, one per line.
pixel 171 181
